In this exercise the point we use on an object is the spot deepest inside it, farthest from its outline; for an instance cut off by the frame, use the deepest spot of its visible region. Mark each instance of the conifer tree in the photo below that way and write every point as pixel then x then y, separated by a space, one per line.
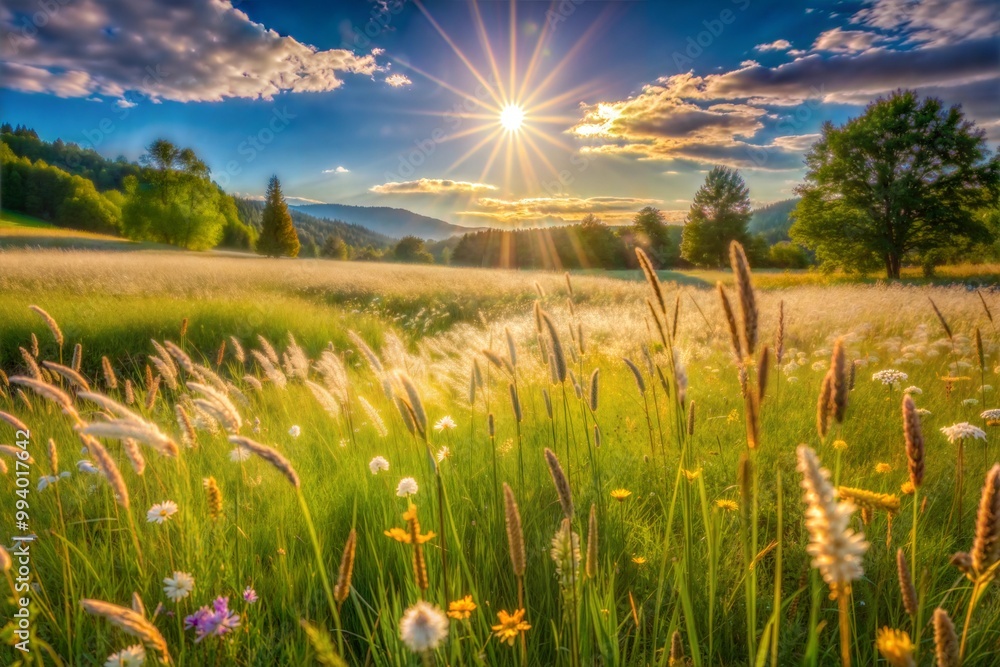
pixel 277 237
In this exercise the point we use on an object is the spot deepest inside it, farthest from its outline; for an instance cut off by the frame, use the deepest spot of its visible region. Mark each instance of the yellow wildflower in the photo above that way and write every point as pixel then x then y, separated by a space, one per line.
pixel 620 494
pixel 510 626
pixel 461 608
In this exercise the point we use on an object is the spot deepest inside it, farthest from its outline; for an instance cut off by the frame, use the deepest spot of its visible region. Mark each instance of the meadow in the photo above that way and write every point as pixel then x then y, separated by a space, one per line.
pixel 241 461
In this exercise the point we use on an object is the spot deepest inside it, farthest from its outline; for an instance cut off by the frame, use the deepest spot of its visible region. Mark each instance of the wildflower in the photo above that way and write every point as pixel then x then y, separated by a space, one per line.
pixel 565 552
pixel 912 389
pixel 398 534
pixel 463 608
pixel 239 454
pixel 896 647
pixel 446 423
pixel 870 500
pixel 963 430
pixel 992 417
pixel 890 377
pixel 133 656
pixel 726 504
pixel 924 412
pixel 733 417
pixel 840 445
pixel 250 595
pixel 406 487
pixel 179 586
pixel 620 494
pixel 639 560
pixel 423 627
pixel 161 512
pixel 510 626
pixel 969 402
pixel 836 550
pixel 295 431
pixel 86 466
pixel 883 468
pixel 216 620
pixel 378 463
pixel 443 454
pixel 691 475
pixel 906 488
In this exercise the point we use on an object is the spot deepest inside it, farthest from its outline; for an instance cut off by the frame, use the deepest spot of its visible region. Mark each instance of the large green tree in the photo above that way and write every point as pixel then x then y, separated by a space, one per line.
pixel 649 229
pixel 173 201
pixel 903 180
pixel 718 216
pixel 412 249
pixel 277 235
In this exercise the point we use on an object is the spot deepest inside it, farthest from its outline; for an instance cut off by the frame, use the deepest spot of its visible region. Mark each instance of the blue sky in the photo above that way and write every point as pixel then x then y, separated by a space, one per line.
pixel 398 102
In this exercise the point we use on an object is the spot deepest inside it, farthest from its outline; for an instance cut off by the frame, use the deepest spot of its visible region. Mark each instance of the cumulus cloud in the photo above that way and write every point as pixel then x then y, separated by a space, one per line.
pixel 846 41
pixel 776 45
pixel 337 170
pixel 933 22
pixel 431 186
pixel 558 210
pixel 184 50
pixel 398 80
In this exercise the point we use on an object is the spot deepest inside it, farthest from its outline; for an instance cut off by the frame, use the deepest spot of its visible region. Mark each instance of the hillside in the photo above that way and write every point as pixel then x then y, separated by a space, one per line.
pixel 773 221
pixel 394 222
pixel 312 229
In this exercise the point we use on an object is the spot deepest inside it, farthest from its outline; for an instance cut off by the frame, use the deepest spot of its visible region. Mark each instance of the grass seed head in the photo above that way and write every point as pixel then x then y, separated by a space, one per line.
pixel 945 640
pixel 560 482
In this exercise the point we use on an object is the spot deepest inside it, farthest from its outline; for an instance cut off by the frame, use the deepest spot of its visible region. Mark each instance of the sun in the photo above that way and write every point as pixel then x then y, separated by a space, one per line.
pixel 512 117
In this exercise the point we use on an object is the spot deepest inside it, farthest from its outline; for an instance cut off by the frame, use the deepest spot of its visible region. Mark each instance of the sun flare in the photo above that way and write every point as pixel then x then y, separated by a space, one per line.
pixel 512 117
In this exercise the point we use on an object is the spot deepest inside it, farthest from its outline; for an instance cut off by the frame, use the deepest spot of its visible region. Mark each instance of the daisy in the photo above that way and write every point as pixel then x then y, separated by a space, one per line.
pixel 406 487
pixel 446 423
pixel 238 454
pixel 443 454
pixel 160 512
pixel 423 627
pixel 377 464
pixel 295 431
pixel 133 656
pixel 179 586
pixel 961 431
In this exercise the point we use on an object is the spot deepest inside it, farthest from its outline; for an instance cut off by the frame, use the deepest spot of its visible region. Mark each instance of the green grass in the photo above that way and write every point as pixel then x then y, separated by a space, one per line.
pixel 668 547
pixel 24 231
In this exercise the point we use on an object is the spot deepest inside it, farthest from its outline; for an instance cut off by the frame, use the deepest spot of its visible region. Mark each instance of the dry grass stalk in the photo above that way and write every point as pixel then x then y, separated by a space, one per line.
pixel 50 393
pixel 594 389
pixel 367 352
pixel 227 413
pixel 151 392
pixel 29 361
pixel 840 389
pixel 13 421
pixel 986 546
pixel 110 380
pixel 557 355
pixel 748 300
pixel 914 437
pixel 164 356
pixel 184 327
pixel 280 463
pixel 652 278
pixel 515 402
pixel 763 371
pixel 147 432
pixel 132 623
pixel 871 500
pixel 944 322
pixel 108 468
pixel 779 338
pixel 129 392
pixel 945 640
pixel 135 458
pixel 53 456
pixel 221 354
pixel 690 419
pixel 416 405
pixel 374 418
pixel 213 498
pixel 592 564
pixel 189 435
pixel 637 374
pixel 110 405
pixel 823 405
pixel 183 360
pixel 676 658
pixel 734 333
pixel 560 482
pixel 906 587
pixel 51 323
pixel 238 351
pixel 77 357
pixel 343 586
pixel 419 562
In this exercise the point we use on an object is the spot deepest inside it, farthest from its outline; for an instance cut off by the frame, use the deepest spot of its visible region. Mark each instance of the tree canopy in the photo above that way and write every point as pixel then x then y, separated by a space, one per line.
pixel 905 179
pixel 718 216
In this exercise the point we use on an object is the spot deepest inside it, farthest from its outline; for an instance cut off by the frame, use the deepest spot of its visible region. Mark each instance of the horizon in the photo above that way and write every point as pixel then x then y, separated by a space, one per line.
pixel 500 114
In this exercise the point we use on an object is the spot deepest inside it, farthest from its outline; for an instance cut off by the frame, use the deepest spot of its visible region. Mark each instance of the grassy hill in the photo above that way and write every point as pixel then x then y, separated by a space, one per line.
pixel 773 220
pixel 24 231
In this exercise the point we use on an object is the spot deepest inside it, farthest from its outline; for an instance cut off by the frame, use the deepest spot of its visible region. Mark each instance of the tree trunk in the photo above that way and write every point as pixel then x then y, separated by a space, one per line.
pixel 893 262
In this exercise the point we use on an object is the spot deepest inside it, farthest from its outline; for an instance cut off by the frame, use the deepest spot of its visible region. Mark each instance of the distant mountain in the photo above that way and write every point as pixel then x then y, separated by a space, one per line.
pixel 315 229
pixel 395 222
pixel 773 220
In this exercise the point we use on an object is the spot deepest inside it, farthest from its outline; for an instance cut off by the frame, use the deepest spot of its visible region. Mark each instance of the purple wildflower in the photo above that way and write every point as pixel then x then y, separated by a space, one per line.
pixel 250 595
pixel 216 620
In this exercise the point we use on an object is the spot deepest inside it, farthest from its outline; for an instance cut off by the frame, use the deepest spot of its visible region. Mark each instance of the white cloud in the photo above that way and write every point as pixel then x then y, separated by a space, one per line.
pixel 776 45
pixel 184 50
pixel 846 41
pixel 337 170
pixel 558 210
pixel 934 22
pixel 398 80
pixel 431 186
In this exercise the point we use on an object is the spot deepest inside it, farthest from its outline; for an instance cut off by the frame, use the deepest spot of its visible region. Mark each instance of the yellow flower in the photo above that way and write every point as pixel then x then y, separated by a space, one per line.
pixel 733 417
pixel 399 535
pixel 620 494
pixel 870 500
pixel 510 626
pixel 403 534
pixel 882 468
pixel 896 647
pixel 638 560
pixel 839 445
pixel 462 608
pixel 726 504
pixel 907 488
pixel 691 474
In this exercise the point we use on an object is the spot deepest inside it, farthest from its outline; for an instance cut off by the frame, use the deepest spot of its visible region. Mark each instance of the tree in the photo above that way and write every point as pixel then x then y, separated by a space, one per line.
pixel 718 216
pixel 412 249
pixel 334 247
pixel 277 235
pixel 650 230
pixel 899 182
